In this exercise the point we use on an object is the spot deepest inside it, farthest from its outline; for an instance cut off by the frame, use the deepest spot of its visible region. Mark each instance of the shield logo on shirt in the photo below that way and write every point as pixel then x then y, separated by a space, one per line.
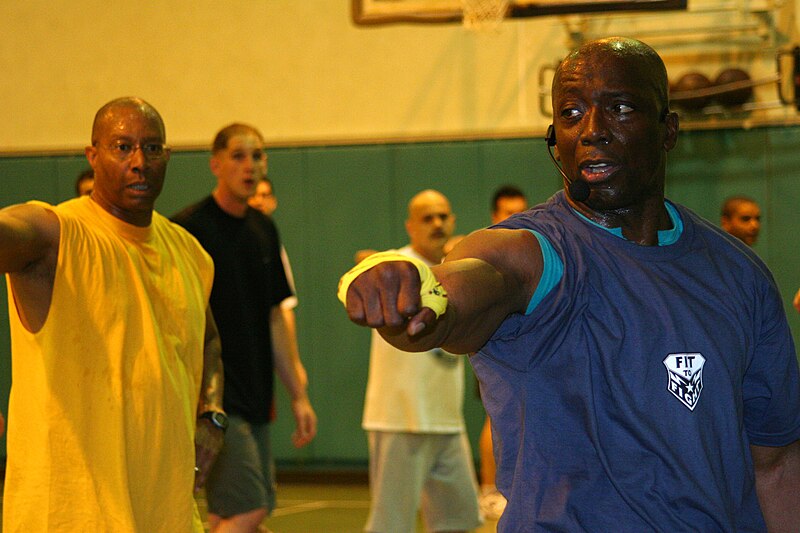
pixel 685 377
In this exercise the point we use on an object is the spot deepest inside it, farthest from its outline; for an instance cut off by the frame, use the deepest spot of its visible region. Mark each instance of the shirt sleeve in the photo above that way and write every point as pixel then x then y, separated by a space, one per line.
pixel 771 386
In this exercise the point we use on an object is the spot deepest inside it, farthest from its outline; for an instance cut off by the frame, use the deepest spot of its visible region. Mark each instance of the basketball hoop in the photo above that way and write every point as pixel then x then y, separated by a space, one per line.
pixel 483 15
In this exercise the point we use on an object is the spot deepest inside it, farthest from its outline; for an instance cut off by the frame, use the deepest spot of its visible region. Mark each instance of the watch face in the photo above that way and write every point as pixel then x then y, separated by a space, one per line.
pixel 220 420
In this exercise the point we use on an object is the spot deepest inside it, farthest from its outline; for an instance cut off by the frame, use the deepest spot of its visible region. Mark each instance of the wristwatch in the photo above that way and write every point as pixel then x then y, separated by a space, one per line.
pixel 218 418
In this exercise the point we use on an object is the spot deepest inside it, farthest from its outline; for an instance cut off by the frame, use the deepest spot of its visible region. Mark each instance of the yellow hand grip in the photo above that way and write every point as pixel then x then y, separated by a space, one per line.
pixel 432 293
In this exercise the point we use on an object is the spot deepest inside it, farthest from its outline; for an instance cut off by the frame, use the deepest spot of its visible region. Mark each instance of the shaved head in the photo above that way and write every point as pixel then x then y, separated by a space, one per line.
pixel 129 102
pixel 638 56
pixel 424 198
pixel 430 224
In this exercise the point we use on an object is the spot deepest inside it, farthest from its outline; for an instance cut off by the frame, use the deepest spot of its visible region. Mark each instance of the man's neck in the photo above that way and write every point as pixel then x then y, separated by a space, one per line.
pixel 141 219
pixel 229 203
pixel 639 223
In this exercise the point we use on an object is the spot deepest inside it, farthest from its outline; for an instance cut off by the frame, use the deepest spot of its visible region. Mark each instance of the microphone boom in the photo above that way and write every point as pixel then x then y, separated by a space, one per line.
pixel 578 189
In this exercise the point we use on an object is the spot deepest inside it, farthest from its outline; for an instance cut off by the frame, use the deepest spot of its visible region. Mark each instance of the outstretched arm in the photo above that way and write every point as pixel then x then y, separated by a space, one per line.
pixel 28 234
pixel 290 370
pixel 778 486
pixel 488 275
pixel 29 241
pixel 209 438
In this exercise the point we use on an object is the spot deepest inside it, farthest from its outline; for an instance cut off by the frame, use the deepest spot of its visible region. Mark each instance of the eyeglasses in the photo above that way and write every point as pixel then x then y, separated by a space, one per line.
pixel 123 150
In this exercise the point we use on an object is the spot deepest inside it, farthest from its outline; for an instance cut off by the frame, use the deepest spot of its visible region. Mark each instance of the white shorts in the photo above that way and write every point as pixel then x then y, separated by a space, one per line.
pixel 434 472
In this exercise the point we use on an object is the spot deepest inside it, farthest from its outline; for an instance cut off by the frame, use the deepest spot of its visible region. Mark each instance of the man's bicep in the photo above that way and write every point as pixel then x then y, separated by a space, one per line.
pixel 512 257
pixel 488 279
pixel 28 234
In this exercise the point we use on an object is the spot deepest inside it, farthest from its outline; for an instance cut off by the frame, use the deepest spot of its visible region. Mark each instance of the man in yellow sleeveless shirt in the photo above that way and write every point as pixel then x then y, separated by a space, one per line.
pixel 112 346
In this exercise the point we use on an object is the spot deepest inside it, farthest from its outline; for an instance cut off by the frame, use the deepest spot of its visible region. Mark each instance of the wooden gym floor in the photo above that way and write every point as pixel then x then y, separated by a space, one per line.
pixel 326 508
pixel 305 507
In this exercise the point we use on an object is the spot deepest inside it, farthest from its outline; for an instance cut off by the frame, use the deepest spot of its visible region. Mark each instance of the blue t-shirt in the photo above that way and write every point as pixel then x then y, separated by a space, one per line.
pixel 627 399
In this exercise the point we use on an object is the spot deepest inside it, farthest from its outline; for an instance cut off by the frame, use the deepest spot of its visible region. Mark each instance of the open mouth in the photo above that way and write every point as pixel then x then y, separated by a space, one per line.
pixel 597 170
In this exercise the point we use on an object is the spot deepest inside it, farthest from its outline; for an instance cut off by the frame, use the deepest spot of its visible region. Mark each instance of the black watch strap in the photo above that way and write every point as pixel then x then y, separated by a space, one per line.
pixel 218 418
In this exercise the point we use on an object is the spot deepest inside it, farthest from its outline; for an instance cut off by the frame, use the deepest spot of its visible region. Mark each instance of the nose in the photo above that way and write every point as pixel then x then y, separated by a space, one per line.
pixel 595 130
pixel 137 158
pixel 250 163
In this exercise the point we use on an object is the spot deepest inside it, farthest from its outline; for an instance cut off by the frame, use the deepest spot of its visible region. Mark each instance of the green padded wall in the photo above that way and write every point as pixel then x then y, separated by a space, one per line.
pixel 335 200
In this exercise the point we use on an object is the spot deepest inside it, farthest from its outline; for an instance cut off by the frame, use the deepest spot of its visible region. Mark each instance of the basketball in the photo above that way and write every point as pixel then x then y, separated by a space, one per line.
pixel 692 81
pixel 735 97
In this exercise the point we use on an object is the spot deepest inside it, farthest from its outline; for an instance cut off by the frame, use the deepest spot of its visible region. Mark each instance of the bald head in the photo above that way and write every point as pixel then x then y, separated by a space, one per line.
pixel 430 224
pixel 424 198
pixel 639 57
pixel 108 112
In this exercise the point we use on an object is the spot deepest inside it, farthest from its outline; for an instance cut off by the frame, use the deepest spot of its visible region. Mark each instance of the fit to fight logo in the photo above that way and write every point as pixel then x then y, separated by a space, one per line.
pixel 685 377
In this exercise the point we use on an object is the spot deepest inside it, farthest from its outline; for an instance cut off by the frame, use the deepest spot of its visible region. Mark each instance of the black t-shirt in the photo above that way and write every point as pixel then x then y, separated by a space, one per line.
pixel 248 281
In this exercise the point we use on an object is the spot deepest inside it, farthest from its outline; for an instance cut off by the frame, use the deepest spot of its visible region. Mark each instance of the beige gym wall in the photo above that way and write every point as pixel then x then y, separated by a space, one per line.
pixel 300 70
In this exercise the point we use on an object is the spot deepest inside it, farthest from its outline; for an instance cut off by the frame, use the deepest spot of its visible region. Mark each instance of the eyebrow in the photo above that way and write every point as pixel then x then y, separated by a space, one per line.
pixel 124 137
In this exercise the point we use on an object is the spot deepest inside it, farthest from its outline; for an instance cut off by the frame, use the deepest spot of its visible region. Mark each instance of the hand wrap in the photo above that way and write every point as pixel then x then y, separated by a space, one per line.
pixel 432 293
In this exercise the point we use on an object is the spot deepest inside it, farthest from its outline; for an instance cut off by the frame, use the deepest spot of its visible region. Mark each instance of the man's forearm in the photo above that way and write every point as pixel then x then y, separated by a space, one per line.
pixel 286 355
pixel 212 385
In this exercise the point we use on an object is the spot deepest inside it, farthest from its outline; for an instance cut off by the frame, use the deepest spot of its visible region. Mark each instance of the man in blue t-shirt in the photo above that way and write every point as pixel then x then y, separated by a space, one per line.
pixel 635 360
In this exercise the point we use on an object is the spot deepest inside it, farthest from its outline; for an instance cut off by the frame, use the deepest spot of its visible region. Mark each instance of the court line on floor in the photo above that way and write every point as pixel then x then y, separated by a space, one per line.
pixel 307 506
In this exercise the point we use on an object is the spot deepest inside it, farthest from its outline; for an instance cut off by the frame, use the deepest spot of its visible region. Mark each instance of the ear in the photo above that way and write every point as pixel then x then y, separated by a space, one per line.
pixel 556 154
pixel 214 164
pixel 671 136
pixel 91 155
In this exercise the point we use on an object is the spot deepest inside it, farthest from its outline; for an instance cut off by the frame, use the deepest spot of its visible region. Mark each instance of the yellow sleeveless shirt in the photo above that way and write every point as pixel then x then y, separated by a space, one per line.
pixel 103 398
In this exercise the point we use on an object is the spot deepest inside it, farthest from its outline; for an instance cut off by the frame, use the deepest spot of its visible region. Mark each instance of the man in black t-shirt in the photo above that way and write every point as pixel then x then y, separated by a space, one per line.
pixel 249 285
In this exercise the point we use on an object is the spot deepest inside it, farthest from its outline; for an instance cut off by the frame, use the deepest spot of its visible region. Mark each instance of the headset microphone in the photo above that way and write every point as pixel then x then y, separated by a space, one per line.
pixel 578 189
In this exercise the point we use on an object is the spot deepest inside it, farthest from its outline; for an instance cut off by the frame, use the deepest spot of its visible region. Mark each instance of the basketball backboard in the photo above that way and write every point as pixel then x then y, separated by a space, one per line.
pixel 372 12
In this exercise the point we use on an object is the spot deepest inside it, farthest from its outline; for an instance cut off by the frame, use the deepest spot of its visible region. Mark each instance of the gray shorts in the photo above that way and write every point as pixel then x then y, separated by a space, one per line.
pixel 243 478
pixel 409 471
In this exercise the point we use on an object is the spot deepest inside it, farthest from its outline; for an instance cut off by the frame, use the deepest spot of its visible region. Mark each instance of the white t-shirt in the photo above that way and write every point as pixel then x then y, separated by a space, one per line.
pixel 415 392
pixel 291 301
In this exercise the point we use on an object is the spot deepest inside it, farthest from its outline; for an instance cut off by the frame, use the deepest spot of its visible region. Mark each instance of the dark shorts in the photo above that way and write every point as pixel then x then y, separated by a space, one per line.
pixel 243 478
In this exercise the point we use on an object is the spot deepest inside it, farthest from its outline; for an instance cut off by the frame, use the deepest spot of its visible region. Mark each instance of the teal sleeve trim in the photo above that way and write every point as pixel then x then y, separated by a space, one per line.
pixel 670 236
pixel 552 272
pixel 665 237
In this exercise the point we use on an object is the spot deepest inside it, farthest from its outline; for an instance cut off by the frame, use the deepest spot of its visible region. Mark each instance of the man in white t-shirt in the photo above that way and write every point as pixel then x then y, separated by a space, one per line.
pixel 418 448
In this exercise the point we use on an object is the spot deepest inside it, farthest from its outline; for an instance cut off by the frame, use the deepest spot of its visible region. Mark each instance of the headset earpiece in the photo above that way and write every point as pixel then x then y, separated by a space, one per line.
pixel 550 136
